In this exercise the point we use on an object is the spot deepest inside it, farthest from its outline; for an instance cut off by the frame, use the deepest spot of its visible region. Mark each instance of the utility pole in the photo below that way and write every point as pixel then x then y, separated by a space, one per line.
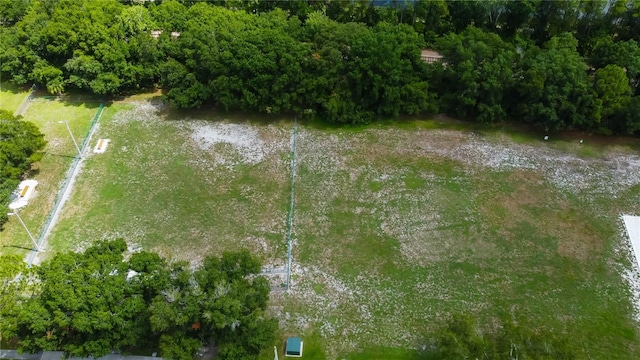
pixel 72 138
pixel 37 248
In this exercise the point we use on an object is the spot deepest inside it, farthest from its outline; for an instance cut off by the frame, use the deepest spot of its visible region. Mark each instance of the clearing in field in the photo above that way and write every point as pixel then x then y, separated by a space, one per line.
pixel 395 227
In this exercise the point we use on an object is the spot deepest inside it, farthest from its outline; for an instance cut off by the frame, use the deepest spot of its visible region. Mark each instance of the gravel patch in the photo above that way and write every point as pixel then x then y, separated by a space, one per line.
pixel 244 139
pixel 615 170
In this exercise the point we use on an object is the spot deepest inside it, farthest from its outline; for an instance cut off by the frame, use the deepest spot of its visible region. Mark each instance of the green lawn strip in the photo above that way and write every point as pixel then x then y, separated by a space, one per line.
pixel 384 353
pixel 312 349
pixel 159 191
pixel 11 96
pixel 52 169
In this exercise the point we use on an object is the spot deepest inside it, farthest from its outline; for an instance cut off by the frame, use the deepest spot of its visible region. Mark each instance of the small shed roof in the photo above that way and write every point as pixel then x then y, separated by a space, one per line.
pixel 294 346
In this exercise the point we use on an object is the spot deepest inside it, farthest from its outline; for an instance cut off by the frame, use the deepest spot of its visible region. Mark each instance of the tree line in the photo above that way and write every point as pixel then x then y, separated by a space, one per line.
pixel 97 301
pixel 554 64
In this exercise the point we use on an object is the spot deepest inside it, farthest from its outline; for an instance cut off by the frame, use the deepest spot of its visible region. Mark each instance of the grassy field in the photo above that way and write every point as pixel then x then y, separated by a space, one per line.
pixel 11 96
pixel 396 227
pixel 52 169
pixel 185 189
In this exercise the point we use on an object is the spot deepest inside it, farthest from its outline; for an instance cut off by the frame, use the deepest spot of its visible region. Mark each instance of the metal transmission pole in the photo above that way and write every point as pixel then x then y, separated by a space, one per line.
pixel 72 138
pixel 37 248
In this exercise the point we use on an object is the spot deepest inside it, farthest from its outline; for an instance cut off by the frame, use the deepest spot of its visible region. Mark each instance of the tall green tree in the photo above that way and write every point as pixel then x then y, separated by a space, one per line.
pixel 479 72
pixel 625 54
pixel 21 45
pixel 359 73
pixel 555 89
pixel 94 302
pixel 430 18
pixel 21 143
pixel 612 86
pixel 223 302
pixel 14 278
pixel 84 306
pixel 170 15
pixel 553 18
pixel 11 11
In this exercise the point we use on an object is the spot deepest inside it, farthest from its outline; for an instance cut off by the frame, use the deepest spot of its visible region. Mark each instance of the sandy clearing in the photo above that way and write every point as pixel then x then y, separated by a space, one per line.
pixel 612 172
pixel 244 138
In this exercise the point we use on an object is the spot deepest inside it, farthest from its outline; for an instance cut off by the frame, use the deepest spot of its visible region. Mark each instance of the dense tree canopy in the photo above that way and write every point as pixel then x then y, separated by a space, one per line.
pixel 94 302
pixel 20 146
pixel 549 63
pixel 14 287
pixel 555 91
pixel 479 74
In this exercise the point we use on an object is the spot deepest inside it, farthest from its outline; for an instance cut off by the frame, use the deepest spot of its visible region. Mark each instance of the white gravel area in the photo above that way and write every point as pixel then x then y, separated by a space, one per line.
pixel 244 138
pixel 613 170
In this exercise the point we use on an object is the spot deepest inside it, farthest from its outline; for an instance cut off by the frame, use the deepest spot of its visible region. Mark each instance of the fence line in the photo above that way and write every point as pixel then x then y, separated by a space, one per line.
pixel 293 182
pixel 67 98
pixel 63 189
pixel 26 102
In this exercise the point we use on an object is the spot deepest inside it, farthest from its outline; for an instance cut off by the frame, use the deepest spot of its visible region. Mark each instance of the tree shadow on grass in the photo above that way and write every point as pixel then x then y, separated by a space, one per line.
pixel 61 155
pixel 212 113
pixel 18 247
pixel 13 88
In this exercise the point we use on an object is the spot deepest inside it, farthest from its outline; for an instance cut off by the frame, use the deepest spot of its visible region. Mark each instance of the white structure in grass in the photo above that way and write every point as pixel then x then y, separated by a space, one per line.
pixel 632 223
pixel 101 146
pixel 25 191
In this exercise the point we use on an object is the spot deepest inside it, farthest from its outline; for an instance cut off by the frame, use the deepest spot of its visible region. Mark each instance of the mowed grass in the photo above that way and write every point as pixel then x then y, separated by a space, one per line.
pixel 393 235
pixel 396 227
pixel 161 188
pixel 51 170
pixel 11 96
